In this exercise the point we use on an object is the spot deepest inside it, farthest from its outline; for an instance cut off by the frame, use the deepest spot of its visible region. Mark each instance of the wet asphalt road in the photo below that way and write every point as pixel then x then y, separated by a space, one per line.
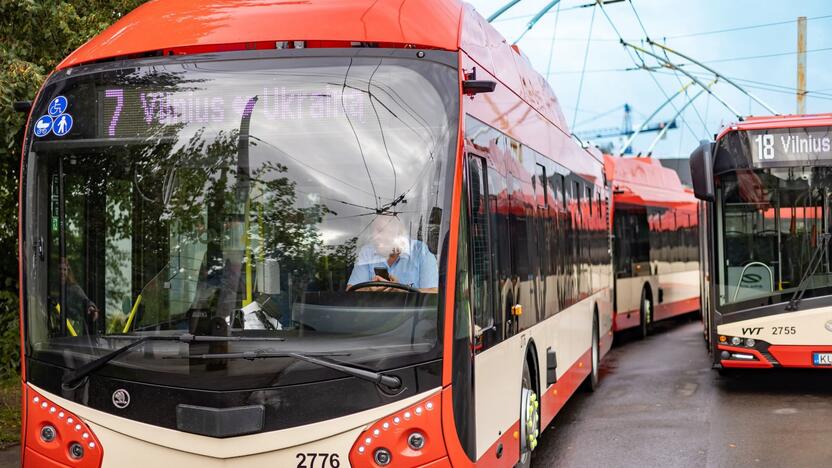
pixel 661 405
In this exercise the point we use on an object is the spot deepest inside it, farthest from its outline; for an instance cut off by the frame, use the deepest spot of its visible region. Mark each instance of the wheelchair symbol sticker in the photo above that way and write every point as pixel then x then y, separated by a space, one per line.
pixel 42 126
pixel 58 106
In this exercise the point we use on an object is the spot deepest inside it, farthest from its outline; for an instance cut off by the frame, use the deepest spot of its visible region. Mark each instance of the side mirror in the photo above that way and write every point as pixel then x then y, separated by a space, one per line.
pixel 702 171
pixel 472 87
pixel 22 106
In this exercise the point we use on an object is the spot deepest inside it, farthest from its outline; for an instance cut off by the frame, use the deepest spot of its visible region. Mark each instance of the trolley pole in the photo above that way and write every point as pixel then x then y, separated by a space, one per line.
pixel 801 65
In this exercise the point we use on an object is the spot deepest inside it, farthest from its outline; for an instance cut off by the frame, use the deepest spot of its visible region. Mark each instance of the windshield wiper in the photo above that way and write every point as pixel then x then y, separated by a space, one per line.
pixel 814 262
pixel 388 381
pixel 77 375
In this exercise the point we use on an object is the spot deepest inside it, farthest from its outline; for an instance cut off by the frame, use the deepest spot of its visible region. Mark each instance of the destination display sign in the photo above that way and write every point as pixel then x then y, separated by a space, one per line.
pixel 791 146
pixel 134 112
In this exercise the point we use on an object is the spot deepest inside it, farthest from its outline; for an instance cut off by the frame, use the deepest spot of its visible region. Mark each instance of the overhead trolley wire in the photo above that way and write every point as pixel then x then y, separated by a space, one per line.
pixel 643 65
pixel 773 88
pixel 684 64
pixel 754 57
pixel 686 57
pixel 686 73
pixel 676 75
pixel 598 115
pixel 741 28
pixel 552 46
pixel 586 56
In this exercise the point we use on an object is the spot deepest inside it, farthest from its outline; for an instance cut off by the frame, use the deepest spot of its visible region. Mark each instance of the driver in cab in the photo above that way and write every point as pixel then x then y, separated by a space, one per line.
pixel 389 255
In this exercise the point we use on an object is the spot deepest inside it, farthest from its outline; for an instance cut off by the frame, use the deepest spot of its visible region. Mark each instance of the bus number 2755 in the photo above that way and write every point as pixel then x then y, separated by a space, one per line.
pixel 318 460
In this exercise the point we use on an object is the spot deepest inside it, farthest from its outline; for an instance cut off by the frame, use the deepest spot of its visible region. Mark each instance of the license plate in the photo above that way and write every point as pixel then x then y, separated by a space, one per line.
pixel 822 359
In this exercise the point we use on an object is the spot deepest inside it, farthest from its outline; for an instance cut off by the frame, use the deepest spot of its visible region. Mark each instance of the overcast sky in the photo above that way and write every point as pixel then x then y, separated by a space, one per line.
pixel 679 24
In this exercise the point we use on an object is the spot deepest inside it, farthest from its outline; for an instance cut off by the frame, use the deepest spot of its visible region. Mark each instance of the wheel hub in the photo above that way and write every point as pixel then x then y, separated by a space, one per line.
pixel 530 426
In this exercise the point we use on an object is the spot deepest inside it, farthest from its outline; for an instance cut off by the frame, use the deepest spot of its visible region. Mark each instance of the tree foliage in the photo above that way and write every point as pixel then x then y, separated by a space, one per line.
pixel 34 37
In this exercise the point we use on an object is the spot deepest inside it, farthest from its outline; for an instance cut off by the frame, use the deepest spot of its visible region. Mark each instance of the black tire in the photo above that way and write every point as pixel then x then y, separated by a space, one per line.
pixel 645 313
pixel 592 380
pixel 529 417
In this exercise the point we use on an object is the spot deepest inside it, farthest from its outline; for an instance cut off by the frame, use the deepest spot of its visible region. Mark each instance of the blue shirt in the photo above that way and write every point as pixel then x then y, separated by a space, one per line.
pixel 417 268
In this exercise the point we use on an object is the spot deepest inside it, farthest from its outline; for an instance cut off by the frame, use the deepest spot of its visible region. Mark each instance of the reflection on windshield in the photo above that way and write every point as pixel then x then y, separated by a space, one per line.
pixel 254 201
pixel 770 223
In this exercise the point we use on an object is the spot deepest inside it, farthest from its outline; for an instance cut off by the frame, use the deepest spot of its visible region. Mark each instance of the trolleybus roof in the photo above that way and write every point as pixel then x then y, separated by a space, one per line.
pixel 778 121
pixel 159 26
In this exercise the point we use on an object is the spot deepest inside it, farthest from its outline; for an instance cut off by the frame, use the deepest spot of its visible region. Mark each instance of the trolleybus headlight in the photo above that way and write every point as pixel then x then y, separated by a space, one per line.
pixel 736 341
pixel 416 441
pixel 725 355
pixel 750 342
pixel 76 451
pixel 382 457
pixel 48 433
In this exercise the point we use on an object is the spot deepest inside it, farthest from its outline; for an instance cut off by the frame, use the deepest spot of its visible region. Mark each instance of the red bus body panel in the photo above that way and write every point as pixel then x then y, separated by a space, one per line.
pixel 171 24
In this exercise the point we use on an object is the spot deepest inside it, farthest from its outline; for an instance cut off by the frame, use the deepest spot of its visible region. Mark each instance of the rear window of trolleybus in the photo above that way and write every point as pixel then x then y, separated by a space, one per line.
pixel 773 201
pixel 302 198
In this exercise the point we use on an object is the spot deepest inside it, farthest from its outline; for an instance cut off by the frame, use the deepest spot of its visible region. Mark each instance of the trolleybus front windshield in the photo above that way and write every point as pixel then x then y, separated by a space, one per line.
pixel 774 195
pixel 302 198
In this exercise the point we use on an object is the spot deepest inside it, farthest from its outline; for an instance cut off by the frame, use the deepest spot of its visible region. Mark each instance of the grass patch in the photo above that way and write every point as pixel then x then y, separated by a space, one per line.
pixel 9 413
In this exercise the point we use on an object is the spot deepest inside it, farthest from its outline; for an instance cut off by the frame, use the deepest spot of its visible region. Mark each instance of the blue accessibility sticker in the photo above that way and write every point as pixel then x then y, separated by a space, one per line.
pixel 58 106
pixel 42 126
pixel 62 125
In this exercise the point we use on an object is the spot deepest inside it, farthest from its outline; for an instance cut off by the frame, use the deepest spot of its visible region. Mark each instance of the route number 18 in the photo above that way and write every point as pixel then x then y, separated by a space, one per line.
pixel 765 146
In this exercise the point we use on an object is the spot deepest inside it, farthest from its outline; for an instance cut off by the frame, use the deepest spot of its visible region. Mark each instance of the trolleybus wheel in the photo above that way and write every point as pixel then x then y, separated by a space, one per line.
pixel 591 383
pixel 646 313
pixel 529 418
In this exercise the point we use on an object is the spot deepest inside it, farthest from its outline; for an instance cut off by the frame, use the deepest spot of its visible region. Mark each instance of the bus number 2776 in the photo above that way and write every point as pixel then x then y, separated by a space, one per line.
pixel 318 460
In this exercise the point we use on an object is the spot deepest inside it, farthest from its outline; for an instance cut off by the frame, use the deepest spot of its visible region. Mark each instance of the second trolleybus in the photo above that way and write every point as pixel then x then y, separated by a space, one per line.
pixel 655 243
pixel 766 191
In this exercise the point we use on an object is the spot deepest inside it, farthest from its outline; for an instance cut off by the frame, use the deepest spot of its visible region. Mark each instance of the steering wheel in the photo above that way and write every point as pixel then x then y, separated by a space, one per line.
pixel 383 284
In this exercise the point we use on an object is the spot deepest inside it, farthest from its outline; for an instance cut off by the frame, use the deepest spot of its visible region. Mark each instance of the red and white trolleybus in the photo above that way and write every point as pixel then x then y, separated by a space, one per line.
pixel 766 186
pixel 313 234
pixel 655 243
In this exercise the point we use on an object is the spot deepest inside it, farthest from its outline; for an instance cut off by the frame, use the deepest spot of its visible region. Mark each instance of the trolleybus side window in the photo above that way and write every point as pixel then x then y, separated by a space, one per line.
pixel 481 268
pixel 501 256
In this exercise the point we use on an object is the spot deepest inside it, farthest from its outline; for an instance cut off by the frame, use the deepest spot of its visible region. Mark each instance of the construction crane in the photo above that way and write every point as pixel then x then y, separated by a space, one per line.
pixel 626 129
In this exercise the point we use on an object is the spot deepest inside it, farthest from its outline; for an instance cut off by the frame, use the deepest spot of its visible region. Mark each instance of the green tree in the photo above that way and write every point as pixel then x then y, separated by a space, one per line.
pixel 34 37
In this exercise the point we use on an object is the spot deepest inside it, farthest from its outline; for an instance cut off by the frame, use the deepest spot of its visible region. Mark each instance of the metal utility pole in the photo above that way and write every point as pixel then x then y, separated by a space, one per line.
pixel 801 64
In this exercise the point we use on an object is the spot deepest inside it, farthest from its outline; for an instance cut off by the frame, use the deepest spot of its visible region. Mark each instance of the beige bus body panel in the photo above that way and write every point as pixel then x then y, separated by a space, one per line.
pixel 498 370
pixel 133 444
pixel 810 328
